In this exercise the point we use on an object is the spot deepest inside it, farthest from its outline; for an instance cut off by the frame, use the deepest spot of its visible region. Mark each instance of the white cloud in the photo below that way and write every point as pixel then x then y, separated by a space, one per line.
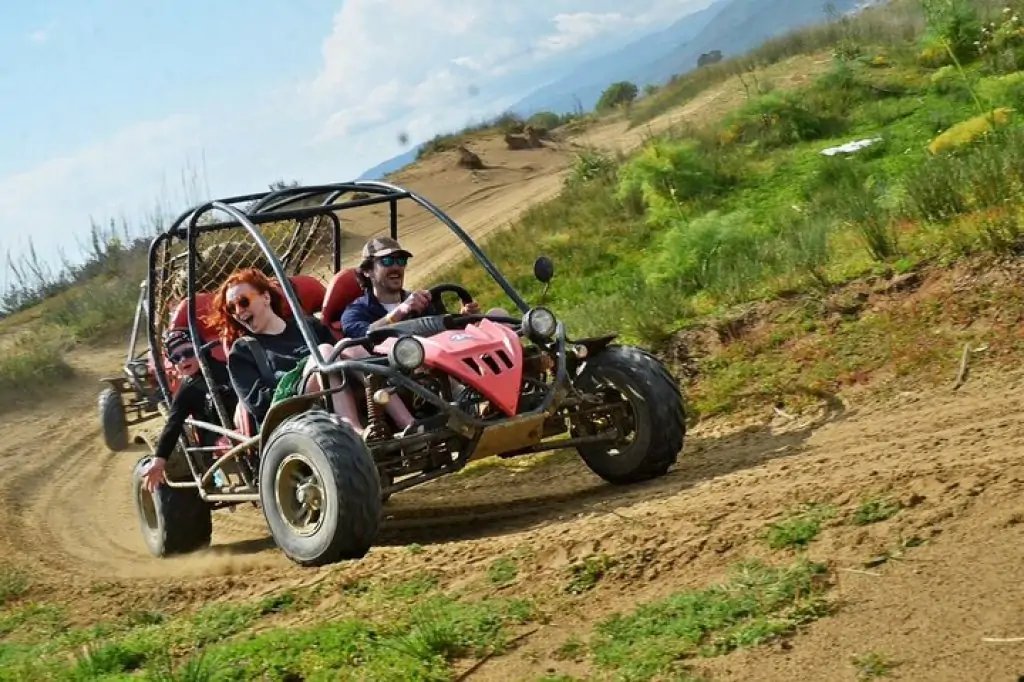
pixel 388 66
pixel 386 59
pixel 53 201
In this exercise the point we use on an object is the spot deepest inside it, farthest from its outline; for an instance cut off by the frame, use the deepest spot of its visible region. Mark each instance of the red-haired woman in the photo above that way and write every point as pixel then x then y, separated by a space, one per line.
pixel 248 305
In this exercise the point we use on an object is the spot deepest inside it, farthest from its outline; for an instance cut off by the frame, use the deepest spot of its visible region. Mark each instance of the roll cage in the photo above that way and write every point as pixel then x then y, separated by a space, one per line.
pixel 307 207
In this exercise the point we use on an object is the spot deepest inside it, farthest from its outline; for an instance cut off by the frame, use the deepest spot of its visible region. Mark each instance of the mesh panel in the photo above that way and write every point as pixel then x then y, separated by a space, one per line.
pixel 302 246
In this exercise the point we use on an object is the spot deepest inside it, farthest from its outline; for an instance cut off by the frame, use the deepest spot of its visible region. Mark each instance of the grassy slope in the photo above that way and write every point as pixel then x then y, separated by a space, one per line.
pixel 813 318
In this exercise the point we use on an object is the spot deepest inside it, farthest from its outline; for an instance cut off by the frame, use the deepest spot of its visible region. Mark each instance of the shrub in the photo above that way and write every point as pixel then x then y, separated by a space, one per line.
pixel 953 27
pixel 667 174
pixel 544 119
pixel 779 119
pixel 617 94
pixel 588 165
pixel 725 255
pixel 34 359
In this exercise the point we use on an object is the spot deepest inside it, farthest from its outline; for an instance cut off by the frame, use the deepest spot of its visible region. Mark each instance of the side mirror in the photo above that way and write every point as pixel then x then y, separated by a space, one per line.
pixel 543 269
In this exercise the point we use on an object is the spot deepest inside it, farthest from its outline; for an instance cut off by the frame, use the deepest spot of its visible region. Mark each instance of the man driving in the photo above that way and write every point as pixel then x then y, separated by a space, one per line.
pixel 382 276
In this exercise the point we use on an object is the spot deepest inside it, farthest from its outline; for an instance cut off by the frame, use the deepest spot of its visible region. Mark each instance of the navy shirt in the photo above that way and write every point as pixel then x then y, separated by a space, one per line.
pixel 362 312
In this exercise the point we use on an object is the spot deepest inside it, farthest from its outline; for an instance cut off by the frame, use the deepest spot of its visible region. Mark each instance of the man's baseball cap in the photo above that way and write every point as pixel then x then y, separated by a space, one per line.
pixel 378 247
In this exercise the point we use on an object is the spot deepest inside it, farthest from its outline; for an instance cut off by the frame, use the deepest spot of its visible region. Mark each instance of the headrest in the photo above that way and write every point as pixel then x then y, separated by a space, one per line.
pixel 341 291
pixel 208 332
pixel 310 291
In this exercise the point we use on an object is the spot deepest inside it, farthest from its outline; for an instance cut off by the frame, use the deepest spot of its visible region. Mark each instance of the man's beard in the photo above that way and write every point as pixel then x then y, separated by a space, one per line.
pixel 391 284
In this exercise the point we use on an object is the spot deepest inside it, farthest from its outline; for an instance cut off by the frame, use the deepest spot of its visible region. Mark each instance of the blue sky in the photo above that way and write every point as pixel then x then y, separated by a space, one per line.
pixel 104 104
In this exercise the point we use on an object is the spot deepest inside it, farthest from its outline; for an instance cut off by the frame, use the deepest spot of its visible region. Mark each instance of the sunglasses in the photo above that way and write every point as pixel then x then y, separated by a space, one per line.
pixel 181 356
pixel 240 303
pixel 388 261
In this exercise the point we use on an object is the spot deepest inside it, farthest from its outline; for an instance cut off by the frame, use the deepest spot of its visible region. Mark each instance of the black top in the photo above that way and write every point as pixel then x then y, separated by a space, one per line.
pixel 191 401
pixel 284 352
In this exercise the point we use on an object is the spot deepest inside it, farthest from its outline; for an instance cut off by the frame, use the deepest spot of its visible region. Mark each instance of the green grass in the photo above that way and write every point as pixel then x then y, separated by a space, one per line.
pixel 746 209
pixel 34 359
pixel 872 666
pixel 758 603
pixel 875 510
pixel 410 630
pixel 799 528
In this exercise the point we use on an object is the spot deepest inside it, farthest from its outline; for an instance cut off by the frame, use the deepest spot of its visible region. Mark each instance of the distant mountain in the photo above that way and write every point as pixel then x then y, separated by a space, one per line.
pixel 585 84
pixel 729 26
pixel 740 26
pixel 393 164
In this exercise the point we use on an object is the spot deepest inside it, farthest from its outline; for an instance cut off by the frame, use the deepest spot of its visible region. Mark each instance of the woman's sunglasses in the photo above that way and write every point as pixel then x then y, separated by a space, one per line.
pixel 388 261
pixel 182 355
pixel 240 303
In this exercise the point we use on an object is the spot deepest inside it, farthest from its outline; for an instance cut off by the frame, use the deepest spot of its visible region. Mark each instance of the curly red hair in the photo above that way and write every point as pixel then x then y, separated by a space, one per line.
pixel 230 328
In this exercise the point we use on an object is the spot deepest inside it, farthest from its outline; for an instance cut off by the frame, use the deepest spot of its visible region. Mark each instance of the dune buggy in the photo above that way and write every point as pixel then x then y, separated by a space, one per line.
pixel 131 398
pixel 480 385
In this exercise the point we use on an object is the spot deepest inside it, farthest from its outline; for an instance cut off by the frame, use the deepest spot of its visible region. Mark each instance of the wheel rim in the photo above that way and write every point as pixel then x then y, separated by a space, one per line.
pixel 616 398
pixel 299 494
pixel 147 508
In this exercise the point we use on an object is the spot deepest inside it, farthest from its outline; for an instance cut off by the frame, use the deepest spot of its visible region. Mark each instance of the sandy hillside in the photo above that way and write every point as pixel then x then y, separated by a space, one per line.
pixel 953 459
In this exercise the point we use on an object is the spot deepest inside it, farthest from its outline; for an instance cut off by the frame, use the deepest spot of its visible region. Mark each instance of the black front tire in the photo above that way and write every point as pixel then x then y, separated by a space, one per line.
pixel 655 403
pixel 320 491
pixel 173 520
pixel 113 420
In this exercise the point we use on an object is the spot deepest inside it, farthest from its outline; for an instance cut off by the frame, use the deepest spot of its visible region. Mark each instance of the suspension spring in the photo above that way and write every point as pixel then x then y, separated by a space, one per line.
pixel 376 422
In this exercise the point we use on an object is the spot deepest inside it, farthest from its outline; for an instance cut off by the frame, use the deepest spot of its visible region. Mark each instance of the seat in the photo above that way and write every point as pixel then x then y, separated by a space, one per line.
pixel 342 290
pixel 208 332
pixel 311 292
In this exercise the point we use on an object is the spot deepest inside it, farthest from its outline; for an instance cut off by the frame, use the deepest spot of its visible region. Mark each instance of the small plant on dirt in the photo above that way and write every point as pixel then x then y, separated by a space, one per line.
pixel 419 584
pixel 874 510
pixel 571 649
pixel 799 528
pixel 757 604
pixel 13 583
pixel 872 665
pixel 503 571
pixel 584 575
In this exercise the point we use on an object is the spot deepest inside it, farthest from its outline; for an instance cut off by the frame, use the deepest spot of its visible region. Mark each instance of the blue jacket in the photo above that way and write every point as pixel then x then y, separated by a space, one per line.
pixel 361 313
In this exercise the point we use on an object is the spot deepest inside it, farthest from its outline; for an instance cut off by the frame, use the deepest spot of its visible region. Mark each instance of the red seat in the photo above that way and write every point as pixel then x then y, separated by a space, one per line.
pixel 342 290
pixel 208 332
pixel 309 290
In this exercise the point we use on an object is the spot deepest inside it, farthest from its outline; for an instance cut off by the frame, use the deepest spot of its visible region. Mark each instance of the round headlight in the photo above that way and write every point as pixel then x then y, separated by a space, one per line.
pixel 407 353
pixel 540 323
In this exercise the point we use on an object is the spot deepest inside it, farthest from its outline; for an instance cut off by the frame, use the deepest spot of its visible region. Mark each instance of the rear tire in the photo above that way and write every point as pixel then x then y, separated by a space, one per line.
pixel 113 420
pixel 173 520
pixel 658 415
pixel 319 489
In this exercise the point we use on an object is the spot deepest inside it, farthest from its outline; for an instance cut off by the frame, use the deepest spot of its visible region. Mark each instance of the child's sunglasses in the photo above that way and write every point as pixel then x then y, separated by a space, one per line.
pixel 388 261
pixel 240 303
pixel 182 355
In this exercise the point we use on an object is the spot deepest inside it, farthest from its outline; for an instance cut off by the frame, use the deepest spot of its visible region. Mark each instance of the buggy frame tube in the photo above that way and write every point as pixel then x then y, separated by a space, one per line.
pixel 193 319
pixel 133 340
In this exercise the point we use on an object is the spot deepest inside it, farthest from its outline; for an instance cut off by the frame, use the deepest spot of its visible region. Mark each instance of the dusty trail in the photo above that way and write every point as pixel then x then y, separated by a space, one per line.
pixel 954 460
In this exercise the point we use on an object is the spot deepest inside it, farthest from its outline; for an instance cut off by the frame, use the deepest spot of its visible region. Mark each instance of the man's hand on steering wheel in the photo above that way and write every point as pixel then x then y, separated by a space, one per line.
pixel 471 308
pixel 416 303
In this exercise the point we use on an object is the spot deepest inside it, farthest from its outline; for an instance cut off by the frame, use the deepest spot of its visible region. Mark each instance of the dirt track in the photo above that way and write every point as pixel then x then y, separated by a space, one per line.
pixel 953 458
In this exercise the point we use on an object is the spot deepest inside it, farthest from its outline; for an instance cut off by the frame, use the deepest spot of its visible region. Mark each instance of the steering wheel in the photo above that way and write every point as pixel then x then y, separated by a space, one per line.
pixel 437 306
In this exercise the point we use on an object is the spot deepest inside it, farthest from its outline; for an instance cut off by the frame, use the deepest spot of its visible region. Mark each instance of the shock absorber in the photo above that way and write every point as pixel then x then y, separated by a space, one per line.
pixel 376 421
